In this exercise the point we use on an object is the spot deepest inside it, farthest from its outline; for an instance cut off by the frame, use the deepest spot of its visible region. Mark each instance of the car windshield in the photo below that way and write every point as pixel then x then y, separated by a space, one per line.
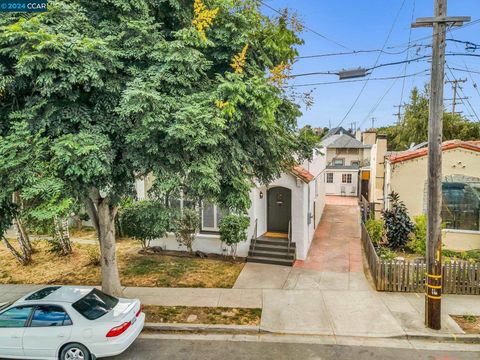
pixel 95 304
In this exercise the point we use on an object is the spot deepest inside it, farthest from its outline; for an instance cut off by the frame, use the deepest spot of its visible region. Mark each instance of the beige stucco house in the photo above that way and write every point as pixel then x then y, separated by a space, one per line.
pixel 405 173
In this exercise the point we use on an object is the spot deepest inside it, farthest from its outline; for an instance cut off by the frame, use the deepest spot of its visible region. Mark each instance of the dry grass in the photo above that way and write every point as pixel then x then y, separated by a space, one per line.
pixel 469 323
pixel 135 269
pixel 202 315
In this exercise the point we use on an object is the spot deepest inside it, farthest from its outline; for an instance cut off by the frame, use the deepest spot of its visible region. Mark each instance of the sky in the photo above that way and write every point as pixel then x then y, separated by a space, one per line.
pixel 352 25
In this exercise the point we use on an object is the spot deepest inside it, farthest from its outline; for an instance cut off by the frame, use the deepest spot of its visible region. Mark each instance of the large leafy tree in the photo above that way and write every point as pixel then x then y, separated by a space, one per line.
pixel 414 127
pixel 122 88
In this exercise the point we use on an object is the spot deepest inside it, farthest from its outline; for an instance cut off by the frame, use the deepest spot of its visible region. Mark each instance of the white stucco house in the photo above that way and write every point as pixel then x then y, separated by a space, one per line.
pixel 283 217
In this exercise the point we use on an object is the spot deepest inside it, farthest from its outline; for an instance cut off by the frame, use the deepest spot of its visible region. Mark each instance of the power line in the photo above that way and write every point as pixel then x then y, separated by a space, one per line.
pixel 406 64
pixel 367 69
pixel 376 62
pixel 470 75
pixel 354 52
pixel 306 27
pixel 419 58
pixel 432 35
pixel 360 80
pixel 466 99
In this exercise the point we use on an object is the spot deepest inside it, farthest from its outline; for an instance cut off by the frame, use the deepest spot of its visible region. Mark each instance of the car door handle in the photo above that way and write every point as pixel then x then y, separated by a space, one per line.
pixel 16 337
pixel 61 335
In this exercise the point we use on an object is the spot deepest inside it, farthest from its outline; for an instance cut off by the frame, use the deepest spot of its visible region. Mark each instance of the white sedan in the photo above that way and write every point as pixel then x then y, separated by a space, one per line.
pixel 69 323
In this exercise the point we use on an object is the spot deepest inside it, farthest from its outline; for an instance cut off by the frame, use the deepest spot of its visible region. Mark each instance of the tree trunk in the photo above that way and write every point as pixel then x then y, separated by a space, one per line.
pixel 20 258
pixel 105 213
pixel 23 241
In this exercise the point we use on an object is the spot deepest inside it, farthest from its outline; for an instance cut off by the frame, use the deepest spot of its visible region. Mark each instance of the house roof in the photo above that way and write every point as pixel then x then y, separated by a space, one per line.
pixel 395 157
pixel 337 131
pixel 343 141
pixel 302 173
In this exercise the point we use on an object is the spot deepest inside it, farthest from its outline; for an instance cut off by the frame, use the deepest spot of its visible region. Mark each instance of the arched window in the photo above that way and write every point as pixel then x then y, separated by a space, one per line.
pixel 461 202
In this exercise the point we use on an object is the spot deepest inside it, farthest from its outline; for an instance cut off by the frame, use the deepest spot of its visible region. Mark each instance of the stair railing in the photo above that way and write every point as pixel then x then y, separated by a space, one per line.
pixel 289 235
pixel 254 237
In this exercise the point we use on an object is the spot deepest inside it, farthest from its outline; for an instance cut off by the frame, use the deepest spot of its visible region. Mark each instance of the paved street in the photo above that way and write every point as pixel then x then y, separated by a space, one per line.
pixel 176 349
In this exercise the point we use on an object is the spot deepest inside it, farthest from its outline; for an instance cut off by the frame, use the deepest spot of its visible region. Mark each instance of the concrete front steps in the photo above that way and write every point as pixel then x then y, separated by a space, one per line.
pixel 271 250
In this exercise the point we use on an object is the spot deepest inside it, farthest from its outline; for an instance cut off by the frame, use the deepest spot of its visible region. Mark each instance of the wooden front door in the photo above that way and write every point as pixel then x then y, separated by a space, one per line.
pixel 279 209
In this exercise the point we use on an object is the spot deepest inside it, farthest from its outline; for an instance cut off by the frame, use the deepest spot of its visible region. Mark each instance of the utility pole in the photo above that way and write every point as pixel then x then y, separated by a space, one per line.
pixel 454 87
pixel 399 113
pixel 373 123
pixel 433 286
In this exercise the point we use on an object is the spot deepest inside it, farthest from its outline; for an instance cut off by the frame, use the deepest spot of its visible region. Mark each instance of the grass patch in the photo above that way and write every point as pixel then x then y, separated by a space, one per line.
pixel 469 323
pixel 202 315
pixel 135 269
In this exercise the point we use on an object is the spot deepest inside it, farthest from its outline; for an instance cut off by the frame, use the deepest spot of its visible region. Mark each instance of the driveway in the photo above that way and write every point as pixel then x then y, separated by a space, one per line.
pixel 334 261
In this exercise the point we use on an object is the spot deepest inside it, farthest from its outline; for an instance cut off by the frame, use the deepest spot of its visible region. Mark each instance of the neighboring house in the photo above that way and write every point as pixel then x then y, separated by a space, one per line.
pixel 289 207
pixel 405 173
pixel 345 155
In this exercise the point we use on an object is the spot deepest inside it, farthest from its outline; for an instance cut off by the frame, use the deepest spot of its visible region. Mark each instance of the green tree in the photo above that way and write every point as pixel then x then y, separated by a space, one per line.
pixel 414 127
pixel 233 230
pixel 186 227
pixel 145 221
pixel 124 88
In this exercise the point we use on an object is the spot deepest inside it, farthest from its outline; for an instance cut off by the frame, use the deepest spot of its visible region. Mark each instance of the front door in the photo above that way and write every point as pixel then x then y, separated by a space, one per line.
pixel 279 210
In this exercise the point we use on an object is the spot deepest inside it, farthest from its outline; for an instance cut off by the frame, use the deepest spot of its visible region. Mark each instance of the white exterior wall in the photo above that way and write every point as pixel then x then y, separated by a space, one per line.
pixel 335 188
pixel 304 198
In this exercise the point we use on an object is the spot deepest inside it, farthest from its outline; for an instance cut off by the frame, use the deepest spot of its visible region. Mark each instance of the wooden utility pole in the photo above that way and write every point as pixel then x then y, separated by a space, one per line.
pixel 454 87
pixel 433 286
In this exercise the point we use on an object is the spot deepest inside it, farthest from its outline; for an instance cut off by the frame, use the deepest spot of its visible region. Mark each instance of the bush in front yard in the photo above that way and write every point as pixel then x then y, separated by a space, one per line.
pixel 186 227
pixel 418 239
pixel 233 230
pixel 144 221
pixel 398 225
pixel 375 230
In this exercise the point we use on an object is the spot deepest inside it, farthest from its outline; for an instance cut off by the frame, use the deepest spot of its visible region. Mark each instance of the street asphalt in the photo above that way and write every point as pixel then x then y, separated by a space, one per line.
pixel 172 349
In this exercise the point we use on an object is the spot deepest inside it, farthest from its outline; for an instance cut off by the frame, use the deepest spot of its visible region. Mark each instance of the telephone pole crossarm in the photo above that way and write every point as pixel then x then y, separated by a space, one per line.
pixel 451 20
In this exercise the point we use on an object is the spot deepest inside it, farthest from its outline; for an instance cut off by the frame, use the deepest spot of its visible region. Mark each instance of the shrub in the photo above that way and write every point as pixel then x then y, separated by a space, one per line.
pixel 398 225
pixel 144 221
pixel 186 226
pixel 233 230
pixel 385 253
pixel 375 230
pixel 93 255
pixel 418 239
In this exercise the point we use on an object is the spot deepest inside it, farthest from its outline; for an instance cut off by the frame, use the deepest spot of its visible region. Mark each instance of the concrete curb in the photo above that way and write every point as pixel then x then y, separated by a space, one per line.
pixel 255 329
pixel 204 328
pixel 458 338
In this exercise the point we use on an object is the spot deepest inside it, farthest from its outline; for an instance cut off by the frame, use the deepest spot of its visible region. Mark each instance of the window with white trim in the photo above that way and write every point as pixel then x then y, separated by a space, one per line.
pixel 212 214
pixel 346 178
pixel 330 178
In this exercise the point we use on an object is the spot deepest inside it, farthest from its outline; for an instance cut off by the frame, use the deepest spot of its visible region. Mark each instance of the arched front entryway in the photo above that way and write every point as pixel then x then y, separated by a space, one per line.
pixel 279 209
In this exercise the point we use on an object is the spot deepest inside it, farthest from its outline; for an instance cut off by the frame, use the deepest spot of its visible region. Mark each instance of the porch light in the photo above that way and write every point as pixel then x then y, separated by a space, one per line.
pixel 261 194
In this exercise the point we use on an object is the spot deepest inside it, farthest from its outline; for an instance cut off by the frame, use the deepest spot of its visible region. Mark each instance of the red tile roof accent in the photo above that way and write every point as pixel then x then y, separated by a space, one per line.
pixel 302 173
pixel 446 145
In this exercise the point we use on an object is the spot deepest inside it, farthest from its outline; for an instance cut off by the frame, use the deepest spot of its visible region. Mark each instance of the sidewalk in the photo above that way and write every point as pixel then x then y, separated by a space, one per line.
pixel 314 312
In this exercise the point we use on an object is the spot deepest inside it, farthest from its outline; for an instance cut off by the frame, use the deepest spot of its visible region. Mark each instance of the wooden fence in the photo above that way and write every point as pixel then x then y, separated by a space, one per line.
pixel 459 277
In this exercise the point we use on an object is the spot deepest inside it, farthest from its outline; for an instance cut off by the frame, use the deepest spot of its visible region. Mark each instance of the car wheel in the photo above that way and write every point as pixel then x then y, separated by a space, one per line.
pixel 75 352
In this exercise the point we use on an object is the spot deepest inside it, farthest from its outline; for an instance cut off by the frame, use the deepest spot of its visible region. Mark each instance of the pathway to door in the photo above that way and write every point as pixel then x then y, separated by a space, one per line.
pixel 334 261
pixel 336 243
